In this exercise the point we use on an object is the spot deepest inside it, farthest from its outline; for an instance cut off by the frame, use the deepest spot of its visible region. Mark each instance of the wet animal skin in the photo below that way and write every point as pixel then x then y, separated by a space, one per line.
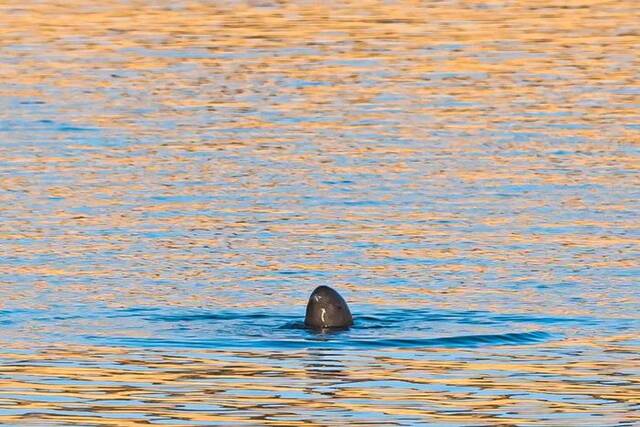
pixel 327 309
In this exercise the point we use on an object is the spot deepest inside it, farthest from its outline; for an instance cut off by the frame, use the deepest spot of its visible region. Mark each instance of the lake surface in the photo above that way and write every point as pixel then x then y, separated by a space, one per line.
pixel 175 181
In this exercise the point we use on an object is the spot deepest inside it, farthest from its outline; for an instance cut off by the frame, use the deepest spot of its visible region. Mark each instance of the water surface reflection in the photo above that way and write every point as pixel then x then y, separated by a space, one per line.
pixel 175 180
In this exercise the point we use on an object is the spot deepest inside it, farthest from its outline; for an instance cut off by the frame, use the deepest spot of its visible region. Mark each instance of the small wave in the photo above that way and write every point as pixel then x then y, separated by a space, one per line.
pixel 397 328
pixel 221 316
pixel 376 320
pixel 422 318
pixel 467 341
pixel 157 315
pixel 331 341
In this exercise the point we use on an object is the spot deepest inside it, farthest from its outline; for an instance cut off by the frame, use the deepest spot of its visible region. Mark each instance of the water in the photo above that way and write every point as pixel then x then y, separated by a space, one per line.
pixel 175 181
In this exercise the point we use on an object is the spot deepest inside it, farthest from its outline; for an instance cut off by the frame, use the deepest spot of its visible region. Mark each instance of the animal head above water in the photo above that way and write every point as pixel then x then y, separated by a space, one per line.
pixel 326 309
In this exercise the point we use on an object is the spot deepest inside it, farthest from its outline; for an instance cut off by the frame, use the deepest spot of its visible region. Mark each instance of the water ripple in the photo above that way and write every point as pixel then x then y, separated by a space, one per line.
pixel 176 178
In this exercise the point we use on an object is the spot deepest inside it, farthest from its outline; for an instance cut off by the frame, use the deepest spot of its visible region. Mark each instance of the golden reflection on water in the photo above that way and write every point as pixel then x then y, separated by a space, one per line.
pixel 112 386
pixel 486 153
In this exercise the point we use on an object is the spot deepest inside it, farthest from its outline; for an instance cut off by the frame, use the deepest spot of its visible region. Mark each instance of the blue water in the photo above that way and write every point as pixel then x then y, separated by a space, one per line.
pixel 261 330
pixel 278 328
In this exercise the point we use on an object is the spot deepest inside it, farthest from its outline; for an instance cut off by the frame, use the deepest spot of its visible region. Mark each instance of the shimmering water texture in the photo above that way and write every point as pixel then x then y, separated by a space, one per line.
pixel 177 177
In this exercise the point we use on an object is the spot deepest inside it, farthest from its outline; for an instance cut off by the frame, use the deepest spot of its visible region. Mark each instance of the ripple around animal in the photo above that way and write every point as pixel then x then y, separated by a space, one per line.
pixel 329 340
pixel 386 329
